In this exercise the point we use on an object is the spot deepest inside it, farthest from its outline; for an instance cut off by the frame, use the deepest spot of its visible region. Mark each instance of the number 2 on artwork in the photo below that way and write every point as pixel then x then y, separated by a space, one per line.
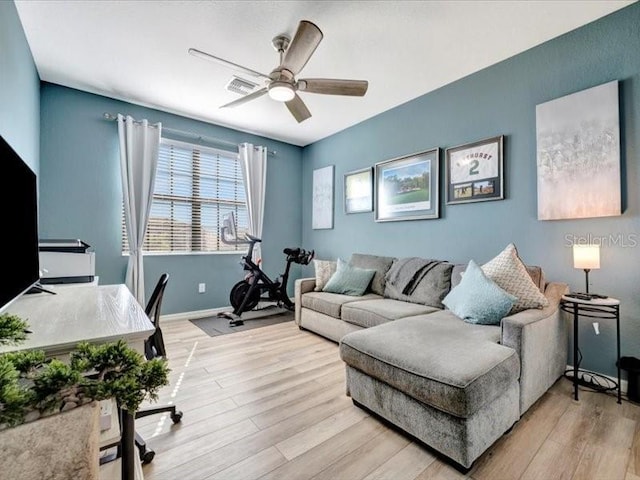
pixel 474 168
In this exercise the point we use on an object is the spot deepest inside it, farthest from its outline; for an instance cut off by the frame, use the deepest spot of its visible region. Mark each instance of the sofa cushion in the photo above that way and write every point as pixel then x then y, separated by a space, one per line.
pixel 444 319
pixel 428 285
pixel 374 262
pixel 331 303
pixel 324 269
pixel 456 274
pixel 349 280
pixel 510 273
pixel 477 299
pixel 437 359
pixel 537 275
pixel 369 313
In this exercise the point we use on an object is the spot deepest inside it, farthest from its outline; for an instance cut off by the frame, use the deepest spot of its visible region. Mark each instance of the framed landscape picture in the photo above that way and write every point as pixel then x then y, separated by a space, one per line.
pixel 475 171
pixel 407 187
pixel 358 191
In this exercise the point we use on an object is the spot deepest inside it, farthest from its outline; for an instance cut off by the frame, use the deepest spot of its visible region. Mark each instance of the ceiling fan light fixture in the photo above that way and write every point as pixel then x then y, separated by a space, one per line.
pixel 281 91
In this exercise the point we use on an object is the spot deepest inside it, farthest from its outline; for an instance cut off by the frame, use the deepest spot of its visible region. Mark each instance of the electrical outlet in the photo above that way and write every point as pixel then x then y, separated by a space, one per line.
pixel 202 287
pixel 596 328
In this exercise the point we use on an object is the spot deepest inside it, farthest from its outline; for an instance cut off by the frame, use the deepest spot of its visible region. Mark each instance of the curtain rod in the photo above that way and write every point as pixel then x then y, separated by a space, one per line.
pixel 110 117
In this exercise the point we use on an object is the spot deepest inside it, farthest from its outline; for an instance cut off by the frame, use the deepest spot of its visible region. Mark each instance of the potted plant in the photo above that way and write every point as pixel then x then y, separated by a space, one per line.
pixel 40 397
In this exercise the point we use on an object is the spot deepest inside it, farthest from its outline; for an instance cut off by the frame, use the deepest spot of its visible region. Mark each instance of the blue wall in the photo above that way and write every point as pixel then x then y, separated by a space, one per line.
pixel 81 196
pixel 80 184
pixel 19 89
pixel 501 100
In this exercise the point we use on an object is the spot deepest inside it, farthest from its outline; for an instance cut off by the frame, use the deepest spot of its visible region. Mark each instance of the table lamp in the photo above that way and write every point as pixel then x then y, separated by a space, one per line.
pixel 586 257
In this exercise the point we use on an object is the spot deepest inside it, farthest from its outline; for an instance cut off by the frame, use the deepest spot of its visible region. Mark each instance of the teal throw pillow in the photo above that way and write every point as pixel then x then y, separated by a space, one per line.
pixel 478 299
pixel 349 280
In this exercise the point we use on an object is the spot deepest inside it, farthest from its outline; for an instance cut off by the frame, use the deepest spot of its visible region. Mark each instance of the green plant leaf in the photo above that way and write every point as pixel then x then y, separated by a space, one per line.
pixel 13 330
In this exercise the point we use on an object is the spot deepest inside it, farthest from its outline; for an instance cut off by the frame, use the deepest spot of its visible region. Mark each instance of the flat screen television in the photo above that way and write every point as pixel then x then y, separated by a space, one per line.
pixel 19 269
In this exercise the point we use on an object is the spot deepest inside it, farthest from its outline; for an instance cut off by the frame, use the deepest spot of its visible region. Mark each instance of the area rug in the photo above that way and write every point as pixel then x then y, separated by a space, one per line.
pixel 214 326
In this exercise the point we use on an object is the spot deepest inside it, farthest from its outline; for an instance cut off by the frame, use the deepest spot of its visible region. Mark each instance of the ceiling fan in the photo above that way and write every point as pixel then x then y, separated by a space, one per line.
pixel 281 84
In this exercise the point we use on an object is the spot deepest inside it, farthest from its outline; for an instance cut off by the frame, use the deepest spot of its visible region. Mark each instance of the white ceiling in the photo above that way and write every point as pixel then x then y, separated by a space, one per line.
pixel 137 51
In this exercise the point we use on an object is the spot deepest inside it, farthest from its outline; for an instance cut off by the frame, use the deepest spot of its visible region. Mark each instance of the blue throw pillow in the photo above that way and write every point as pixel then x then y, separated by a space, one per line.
pixel 478 299
pixel 349 280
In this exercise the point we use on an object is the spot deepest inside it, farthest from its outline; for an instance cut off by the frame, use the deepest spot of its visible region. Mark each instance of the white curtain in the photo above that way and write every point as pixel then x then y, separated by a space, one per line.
pixel 253 160
pixel 139 145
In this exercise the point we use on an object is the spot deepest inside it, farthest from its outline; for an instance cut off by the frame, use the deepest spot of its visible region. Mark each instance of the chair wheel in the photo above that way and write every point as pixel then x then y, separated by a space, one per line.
pixel 176 417
pixel 147 457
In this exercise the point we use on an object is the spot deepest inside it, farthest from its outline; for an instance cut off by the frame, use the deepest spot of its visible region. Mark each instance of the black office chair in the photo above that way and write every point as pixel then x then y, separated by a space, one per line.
pixel 153 348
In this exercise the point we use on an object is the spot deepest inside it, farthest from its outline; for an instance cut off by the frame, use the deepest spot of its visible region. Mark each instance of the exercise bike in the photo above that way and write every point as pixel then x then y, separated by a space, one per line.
pixel 256 286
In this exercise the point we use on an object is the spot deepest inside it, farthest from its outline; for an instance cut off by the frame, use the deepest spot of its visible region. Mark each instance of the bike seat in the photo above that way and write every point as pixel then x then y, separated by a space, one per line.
pixel 291 251
pixel 252 238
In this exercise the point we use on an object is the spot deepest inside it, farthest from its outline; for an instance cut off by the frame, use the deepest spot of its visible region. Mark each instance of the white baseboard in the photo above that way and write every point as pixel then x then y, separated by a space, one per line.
pixel 210 312
pixel 623 383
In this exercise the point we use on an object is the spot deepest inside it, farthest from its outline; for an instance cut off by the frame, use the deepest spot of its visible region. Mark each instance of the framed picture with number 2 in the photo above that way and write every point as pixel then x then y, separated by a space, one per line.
pixel 475 171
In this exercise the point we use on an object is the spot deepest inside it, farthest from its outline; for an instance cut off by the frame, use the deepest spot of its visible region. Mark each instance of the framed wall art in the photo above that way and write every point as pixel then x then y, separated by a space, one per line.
pixel 407 187
pixel 322 203
pixel 358 191
pixel 578 155
pixel 475 171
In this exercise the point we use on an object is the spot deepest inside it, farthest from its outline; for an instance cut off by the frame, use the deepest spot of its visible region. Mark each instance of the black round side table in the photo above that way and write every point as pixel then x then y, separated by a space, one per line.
pixel 596 309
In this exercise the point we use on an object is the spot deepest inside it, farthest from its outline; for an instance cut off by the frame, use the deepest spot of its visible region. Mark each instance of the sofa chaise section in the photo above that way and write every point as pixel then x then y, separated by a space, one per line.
pixel 452 387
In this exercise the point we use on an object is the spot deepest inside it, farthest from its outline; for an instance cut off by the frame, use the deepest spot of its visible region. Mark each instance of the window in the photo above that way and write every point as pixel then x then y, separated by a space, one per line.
pixel 195 187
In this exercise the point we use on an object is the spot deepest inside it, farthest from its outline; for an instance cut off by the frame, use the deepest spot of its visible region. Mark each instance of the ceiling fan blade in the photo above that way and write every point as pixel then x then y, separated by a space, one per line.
pixel 298 109
pixel 330 86
pixel 246 98
pixel 226 63
pixel 304 43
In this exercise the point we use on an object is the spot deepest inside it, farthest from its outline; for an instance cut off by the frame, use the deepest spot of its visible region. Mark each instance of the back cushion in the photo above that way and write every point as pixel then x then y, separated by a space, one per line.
pixel 434 286
pixel 456 274
pixel 373 262
pixel 430 289
pixel 537 276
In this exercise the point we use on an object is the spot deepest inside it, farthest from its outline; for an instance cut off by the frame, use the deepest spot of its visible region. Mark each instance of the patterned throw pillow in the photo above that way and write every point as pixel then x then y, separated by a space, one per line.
pixel 510 273
pixel 477 299
pixel 349 280
pixel 324 270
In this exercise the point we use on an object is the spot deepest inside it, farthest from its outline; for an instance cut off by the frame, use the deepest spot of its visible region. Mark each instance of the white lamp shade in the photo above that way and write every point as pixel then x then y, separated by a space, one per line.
pixel 281 91
pixel 586 256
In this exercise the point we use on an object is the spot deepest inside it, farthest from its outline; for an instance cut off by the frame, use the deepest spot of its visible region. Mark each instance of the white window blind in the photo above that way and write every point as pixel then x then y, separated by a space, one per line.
pixel 195 187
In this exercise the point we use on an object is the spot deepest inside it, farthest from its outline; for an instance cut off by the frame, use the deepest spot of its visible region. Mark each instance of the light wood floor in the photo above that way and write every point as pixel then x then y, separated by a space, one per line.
pixel 269 403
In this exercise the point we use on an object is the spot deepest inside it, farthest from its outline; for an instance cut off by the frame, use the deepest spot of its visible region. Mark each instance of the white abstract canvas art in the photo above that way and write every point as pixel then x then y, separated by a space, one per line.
pixel 322 210
pixel 578 155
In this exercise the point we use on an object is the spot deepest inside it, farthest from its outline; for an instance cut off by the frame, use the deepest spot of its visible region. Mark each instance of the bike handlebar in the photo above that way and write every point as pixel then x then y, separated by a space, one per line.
pixel 299 255
pixel 295 255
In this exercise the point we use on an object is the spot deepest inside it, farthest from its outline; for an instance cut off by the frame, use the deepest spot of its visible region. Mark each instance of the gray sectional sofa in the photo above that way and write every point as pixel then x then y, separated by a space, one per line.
pixel 455 386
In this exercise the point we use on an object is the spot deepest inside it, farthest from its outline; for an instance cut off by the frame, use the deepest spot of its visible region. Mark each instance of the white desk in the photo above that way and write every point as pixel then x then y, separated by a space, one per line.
pixel 85 313
pixel 95 314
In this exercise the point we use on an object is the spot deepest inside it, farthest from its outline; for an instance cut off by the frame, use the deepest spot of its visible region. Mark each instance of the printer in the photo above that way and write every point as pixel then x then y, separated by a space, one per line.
pixel 66 261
